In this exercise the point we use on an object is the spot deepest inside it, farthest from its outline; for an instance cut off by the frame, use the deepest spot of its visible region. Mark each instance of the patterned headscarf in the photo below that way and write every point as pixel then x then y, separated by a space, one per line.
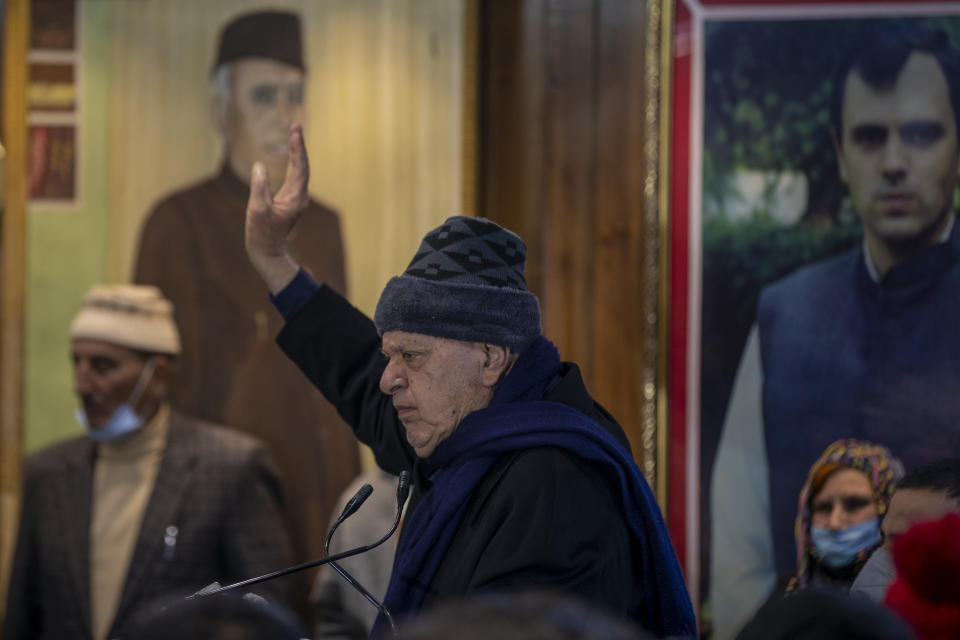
pixel 875 461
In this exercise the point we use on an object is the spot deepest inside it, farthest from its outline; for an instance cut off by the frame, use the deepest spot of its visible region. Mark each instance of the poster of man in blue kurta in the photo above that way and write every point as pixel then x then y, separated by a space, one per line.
pixel 831 270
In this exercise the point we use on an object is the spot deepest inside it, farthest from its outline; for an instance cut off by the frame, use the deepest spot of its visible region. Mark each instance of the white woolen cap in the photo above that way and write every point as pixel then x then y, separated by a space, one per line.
pixel 128 315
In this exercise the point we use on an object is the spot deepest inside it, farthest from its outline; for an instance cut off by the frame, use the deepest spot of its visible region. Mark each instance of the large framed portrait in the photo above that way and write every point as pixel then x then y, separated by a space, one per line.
pixel 125 107
pixel 762 186
pixel 121 112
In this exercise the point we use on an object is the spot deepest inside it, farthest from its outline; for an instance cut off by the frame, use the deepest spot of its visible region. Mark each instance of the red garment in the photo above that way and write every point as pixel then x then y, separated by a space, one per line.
pixel 926 592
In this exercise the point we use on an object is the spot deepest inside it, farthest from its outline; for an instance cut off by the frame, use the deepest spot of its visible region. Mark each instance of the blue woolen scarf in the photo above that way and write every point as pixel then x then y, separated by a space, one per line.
pixel 516 419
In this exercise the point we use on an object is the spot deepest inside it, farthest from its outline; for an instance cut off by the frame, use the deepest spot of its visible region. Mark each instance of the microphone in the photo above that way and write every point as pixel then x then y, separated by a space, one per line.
pixel 403 490
pixel 351 507
pixel 356 501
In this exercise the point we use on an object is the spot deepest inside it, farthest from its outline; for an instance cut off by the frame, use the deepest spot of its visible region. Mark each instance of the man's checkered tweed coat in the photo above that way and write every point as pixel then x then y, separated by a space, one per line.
pixel 216 485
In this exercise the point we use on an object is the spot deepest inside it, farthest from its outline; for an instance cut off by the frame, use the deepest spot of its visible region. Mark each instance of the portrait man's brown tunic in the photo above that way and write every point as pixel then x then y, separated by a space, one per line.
pixel 231 372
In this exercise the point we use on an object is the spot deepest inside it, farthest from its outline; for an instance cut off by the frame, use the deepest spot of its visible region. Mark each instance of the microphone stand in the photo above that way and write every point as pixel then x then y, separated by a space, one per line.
pixel 282 572
pixel 403 487
pixel 355 503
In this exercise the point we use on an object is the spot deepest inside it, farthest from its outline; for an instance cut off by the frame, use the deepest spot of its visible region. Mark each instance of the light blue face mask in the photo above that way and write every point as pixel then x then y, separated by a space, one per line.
pixel 839 548
pixel 124 420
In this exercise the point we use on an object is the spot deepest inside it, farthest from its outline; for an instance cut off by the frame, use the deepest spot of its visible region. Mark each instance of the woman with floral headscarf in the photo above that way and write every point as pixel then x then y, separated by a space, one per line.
pixel 846 495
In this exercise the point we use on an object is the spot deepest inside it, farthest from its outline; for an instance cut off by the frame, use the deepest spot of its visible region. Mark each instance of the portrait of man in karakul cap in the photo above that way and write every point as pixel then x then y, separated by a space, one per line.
pixel 191 246
pixel 265 34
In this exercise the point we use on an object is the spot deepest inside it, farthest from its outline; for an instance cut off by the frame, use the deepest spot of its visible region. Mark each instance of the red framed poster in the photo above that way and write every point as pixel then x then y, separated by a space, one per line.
pixel 754 193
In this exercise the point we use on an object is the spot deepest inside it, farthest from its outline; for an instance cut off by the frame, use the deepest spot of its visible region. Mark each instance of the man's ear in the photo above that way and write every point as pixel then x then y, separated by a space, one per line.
pixel 497 361
pixel 218 111
pixel 159 387
pixel 838 150
pixel 221 94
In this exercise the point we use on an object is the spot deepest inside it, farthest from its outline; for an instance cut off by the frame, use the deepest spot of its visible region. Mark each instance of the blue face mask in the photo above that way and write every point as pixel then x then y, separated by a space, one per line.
pixel 839 548
pixel 124 420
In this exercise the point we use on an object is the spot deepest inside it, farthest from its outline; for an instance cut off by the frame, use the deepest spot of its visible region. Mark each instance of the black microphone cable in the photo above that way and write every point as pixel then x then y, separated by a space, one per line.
pixel 403 489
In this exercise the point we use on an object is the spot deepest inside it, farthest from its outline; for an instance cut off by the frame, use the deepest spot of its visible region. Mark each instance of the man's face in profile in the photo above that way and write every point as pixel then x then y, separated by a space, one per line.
pixel 435 383
pixel 267 97
pixel 104 377
pixel 898 154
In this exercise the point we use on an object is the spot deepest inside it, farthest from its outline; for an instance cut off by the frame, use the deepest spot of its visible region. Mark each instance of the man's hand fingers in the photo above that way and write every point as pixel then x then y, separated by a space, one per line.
pixel 298 165
pixel 293 193
pixel 260 199
pixel 271 217
pixel 265 233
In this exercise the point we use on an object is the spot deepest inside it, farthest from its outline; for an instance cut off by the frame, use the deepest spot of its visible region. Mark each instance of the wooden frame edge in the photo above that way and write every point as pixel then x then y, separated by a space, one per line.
pixel 665 123
pixel 654 424
pixel 16 31
pixel 471 125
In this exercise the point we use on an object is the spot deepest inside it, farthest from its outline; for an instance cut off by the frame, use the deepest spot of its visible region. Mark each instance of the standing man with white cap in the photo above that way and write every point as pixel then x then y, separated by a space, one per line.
pixel 149 502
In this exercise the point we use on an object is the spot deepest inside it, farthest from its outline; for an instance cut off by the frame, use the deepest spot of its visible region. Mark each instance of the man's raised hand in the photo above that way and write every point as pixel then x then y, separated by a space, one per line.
pixel 270 218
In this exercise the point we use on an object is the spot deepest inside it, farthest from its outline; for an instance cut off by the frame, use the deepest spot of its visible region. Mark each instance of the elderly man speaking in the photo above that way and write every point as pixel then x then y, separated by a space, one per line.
pixel 520 479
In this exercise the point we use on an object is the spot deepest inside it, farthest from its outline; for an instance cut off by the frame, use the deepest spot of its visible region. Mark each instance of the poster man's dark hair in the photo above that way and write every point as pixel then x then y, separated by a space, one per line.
pixel 941 476
pixel 880 55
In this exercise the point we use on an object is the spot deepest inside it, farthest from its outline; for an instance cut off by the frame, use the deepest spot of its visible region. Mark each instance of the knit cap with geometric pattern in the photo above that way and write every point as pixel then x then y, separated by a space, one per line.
pixel 467 283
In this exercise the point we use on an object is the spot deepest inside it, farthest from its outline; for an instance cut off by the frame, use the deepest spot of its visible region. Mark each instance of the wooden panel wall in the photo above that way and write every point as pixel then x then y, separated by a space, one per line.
pixel 561 161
